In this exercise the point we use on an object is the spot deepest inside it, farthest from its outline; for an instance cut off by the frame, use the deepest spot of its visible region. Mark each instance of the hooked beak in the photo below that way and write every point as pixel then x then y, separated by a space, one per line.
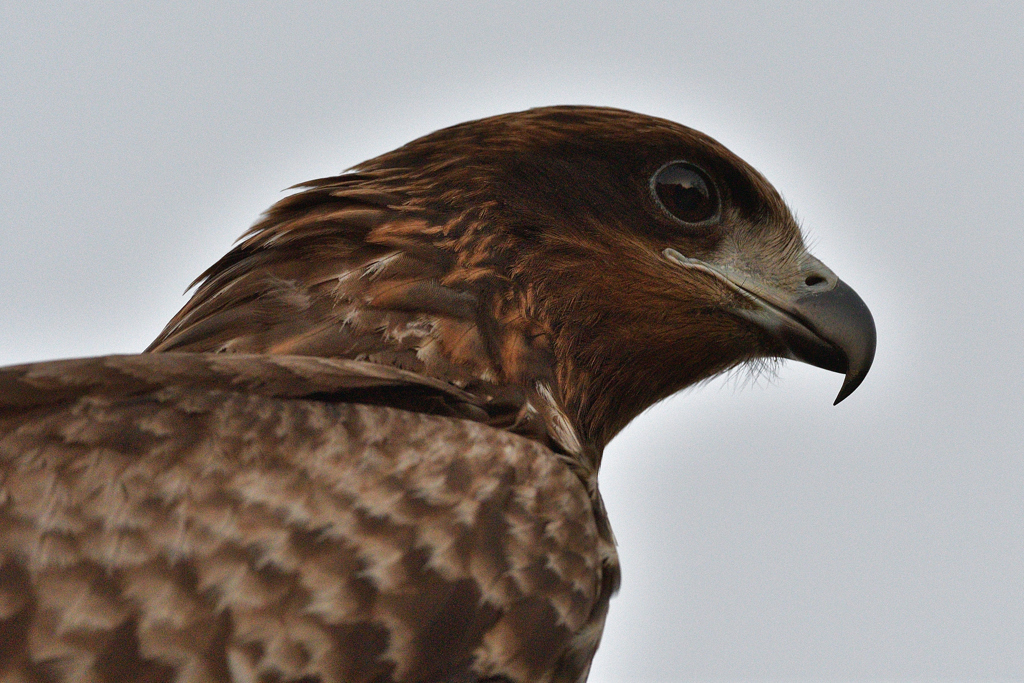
pixel 827 326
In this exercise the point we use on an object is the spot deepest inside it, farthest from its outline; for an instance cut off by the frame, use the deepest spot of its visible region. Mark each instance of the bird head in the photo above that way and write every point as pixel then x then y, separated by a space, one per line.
pixel 580 262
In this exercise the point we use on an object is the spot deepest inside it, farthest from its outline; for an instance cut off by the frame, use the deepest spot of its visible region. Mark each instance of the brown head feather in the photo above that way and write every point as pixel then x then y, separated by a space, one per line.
pixel 500 254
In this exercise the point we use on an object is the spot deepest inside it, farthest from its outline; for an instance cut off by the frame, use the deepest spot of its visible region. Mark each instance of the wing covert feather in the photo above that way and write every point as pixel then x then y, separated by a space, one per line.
pixel 199 534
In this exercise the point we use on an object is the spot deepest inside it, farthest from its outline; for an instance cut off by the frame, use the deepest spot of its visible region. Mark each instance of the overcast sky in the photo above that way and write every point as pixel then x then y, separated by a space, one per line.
pixel 764 533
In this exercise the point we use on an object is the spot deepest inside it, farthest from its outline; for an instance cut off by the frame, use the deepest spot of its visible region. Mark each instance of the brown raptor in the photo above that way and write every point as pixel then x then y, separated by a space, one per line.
pixel 367 448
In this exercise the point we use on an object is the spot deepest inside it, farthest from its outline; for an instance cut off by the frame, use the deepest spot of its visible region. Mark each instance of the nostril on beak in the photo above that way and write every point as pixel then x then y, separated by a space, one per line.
pixel 815 279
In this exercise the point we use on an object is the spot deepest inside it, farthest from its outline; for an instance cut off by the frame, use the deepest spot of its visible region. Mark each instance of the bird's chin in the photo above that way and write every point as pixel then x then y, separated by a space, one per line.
pixel 827 326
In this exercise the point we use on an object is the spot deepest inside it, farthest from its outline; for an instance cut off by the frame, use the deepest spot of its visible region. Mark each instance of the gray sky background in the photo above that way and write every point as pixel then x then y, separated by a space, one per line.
pixel 764 533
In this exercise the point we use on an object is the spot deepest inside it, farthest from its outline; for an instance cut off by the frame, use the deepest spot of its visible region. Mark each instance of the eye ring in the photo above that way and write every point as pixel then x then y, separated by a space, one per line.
pixel 686 193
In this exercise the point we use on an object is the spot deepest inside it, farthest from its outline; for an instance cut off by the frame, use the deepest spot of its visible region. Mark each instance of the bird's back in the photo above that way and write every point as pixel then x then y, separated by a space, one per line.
pixel 204 518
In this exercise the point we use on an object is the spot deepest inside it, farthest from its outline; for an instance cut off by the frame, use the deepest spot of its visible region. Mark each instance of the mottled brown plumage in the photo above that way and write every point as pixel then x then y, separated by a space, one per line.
pixel 367 448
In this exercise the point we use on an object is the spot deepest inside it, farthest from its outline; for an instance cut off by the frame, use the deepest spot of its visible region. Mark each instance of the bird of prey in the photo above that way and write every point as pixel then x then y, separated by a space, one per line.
pixel 367 449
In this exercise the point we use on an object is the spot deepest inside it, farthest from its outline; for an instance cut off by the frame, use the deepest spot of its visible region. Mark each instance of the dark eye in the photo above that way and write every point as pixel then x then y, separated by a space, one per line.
pixel 686 192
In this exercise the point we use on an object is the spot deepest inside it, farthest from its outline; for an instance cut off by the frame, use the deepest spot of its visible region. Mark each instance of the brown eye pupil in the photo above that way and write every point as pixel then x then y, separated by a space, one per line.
pixel 686 192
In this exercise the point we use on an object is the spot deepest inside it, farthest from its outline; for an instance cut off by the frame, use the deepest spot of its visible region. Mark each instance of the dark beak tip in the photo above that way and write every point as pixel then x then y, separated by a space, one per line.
pixel 861 339
pixel 841 335
pixel 856 374
pixel 850 385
